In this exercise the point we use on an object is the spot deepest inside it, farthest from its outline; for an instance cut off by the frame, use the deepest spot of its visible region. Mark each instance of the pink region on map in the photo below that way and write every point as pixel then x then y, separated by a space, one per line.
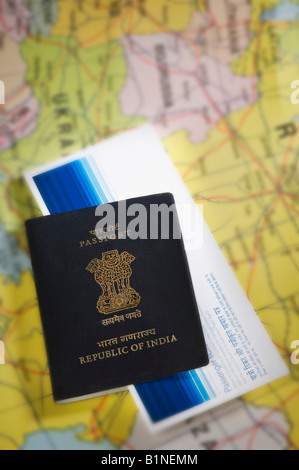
pixel 223 31
pixel 175 89
pixel 14 19
pixel 18 123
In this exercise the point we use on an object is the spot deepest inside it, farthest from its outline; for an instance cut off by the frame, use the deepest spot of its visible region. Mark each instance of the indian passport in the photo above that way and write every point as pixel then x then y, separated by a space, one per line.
pixel 115 295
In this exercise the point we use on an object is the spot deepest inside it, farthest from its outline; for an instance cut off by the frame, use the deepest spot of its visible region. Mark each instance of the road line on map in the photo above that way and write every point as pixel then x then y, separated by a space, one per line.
pixel 240 435
pixel 257 241
pixel 264 420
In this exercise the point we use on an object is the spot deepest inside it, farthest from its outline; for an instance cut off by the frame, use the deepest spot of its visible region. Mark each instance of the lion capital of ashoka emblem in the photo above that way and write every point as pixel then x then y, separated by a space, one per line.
pixel 113 273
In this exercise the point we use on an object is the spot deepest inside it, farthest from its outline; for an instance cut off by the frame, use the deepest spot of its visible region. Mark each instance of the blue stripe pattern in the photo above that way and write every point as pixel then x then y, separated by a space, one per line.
pixel 77 185
pixel 166 397
pixel 73 186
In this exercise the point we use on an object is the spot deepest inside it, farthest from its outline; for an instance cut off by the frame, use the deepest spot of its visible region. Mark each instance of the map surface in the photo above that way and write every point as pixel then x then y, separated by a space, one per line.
pixel 214 78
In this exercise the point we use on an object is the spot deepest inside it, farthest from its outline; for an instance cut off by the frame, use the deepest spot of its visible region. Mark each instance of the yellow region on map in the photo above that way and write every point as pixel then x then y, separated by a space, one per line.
pixel 88 23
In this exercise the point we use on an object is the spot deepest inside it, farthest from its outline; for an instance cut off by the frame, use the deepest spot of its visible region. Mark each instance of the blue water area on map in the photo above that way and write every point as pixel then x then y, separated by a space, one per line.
pixel 13 260
pixel 285 11
pixel 62 440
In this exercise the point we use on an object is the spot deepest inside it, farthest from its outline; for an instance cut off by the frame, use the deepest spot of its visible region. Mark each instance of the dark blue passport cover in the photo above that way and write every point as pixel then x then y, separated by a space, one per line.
pixel 115 311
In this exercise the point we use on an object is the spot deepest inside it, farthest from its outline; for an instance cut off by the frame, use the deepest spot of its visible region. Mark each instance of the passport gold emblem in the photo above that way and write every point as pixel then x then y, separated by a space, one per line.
pixel 113 274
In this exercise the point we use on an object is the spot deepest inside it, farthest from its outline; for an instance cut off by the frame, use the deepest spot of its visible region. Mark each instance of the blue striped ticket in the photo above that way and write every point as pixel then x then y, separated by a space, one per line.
pixel 242 356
